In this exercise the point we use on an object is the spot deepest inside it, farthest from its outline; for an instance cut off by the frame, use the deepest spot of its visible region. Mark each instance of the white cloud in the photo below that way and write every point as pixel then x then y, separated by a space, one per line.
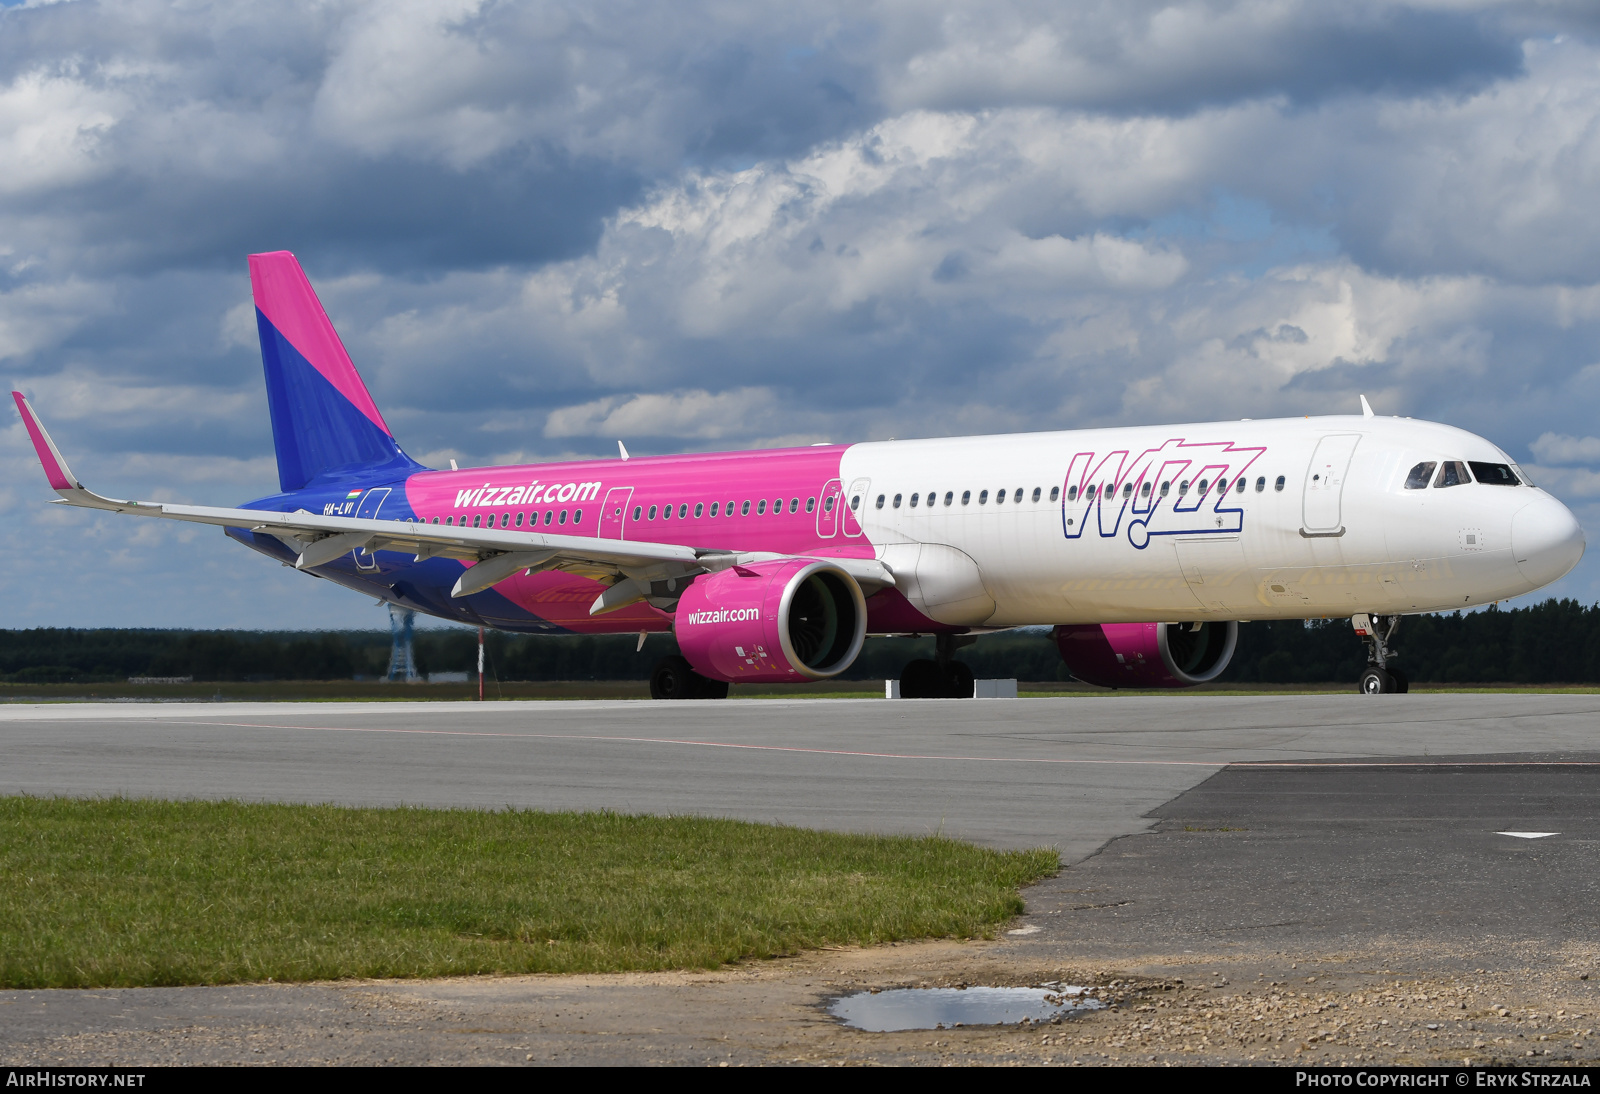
pixel 51 130
pixel 688 415
pixel 1560 448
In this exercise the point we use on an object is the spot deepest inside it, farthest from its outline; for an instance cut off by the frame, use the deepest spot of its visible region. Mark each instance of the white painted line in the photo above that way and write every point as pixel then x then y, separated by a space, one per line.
pixel 1528 835
pixel 1029 929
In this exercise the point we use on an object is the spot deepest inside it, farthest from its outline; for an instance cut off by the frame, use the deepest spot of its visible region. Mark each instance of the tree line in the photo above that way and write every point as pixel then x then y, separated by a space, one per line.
pixel 1557 641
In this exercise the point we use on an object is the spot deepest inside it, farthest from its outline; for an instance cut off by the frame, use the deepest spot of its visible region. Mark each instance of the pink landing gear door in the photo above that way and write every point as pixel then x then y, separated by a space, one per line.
pixel 614 513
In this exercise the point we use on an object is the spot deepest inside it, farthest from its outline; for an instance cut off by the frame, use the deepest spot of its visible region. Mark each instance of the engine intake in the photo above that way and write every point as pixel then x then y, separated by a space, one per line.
pixel 787 620
pixel 1147 655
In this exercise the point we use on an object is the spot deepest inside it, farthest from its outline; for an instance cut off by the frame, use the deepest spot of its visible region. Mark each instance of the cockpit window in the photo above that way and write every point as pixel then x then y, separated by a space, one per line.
pixel 1452 473
pixel 1420 474
pixel 1494 474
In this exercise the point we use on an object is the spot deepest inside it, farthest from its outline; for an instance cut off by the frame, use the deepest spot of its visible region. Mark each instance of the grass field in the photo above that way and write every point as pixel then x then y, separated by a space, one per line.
pixel 120 892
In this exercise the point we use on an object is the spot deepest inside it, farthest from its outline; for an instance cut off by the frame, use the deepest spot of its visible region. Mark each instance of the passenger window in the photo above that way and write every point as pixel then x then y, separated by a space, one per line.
pixel 1055 493
pixel 1202 486
pixel 1420 474
pixel 1089 492
pixel 577 516
pixel 563 519
pixel 1018 499
pixel 880 501
pixel 652 512
pixel 519 520
pixel 1127 489
pixel 714 508
pixel 1261 483
pixel 744 509
pixel 477 520
pixel 1238 485
pixel 897 501
pixel 949 497
pixel 914 498
pixel 548 515
pixel 1279 484
pixel 983 497
pixel 1183 488
pixel 966 497
pixel 699 510
pixel 1144 491
pixel 450 520
pixel 811 506
pixel 794 505
pixel 827 504
pixel 999 497
pixel 683 510
pixel 1072 493
pixel 1493 474
pixel 636 511
pixel 1166 488
pixel 761 507
pixel 1452 473
pixel 855 503
pixel 1036 493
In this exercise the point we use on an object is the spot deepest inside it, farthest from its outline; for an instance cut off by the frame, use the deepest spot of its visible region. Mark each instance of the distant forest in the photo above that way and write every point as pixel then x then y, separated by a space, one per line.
pixel 1557 641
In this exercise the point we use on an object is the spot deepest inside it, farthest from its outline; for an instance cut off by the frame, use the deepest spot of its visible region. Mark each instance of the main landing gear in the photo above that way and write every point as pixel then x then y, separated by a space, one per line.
pixel 672 678
pixel 1380 678
pixel 940 678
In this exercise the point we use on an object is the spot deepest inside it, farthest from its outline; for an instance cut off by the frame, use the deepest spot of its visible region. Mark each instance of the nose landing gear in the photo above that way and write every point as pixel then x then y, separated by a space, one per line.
pixel 1380 678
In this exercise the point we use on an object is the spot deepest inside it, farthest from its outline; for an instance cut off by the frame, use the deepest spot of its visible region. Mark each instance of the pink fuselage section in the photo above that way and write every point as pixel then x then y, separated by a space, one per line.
pixel 786 501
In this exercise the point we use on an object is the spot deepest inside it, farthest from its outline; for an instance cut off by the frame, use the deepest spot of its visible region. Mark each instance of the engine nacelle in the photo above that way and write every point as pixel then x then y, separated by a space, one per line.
pixel 785 621
pixel 1147 655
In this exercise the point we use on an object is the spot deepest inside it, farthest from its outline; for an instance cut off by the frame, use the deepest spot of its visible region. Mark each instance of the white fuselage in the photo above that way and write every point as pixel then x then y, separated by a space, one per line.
pixel 1324 525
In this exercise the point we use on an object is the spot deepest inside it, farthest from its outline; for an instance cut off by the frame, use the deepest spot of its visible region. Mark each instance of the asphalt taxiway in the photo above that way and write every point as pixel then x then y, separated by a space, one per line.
pixel 1065 773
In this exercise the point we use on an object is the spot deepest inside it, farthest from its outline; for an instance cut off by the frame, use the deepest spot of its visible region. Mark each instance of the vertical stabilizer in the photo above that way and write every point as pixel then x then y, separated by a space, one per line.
pixel 324 422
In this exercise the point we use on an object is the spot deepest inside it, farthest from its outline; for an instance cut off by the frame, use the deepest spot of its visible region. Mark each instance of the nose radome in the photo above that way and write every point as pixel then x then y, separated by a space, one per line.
pixel 1545 540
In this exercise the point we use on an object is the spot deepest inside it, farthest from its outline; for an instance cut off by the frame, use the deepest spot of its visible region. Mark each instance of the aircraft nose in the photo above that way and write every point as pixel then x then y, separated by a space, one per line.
pixel 1545 540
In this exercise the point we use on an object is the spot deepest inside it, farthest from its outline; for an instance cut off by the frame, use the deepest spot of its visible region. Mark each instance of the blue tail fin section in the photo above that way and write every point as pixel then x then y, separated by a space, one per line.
pixel 324 423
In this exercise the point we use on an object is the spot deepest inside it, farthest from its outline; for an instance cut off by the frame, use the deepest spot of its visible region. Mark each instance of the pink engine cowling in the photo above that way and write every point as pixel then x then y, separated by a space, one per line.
pixel 1147 655
pixel 788 620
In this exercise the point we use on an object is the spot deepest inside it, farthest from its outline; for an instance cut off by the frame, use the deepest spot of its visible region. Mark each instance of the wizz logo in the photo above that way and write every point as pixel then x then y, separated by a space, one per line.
pixel 1181 488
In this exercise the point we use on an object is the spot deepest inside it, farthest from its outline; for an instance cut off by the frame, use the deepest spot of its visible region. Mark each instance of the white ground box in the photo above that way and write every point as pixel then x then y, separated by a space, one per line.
pixel 981 689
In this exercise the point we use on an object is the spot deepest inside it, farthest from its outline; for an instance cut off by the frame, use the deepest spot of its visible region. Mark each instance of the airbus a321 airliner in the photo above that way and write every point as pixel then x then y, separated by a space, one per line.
pixel 1143 547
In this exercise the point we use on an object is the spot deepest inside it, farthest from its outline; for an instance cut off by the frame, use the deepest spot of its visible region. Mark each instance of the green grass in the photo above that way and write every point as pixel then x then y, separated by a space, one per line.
pixel 120 892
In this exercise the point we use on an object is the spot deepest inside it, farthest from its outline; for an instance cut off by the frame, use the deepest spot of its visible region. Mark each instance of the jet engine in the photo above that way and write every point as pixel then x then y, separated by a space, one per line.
pixel 787 620
pixel 1147 655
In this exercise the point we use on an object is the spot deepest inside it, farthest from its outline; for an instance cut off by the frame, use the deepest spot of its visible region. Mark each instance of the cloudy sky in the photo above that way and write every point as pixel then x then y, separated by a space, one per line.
pixel 543 226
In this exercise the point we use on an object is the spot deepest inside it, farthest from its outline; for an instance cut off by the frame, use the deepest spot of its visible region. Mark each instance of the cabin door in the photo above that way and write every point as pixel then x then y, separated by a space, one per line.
pixel 1324 487
pixel 614 513
pixel 371 502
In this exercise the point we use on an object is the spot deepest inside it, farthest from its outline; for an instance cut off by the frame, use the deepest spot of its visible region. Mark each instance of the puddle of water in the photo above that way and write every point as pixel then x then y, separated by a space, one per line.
pixel 933 1008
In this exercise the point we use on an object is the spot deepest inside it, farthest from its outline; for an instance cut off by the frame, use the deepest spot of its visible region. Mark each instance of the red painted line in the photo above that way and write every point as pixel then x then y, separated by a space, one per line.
pixel 885 755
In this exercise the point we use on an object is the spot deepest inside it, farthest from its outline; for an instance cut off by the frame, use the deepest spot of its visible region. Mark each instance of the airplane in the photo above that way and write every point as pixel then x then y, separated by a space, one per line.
pixel 1143 547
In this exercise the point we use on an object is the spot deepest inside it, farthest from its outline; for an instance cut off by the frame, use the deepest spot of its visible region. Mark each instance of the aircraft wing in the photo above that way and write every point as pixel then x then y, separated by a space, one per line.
pixel 630 567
